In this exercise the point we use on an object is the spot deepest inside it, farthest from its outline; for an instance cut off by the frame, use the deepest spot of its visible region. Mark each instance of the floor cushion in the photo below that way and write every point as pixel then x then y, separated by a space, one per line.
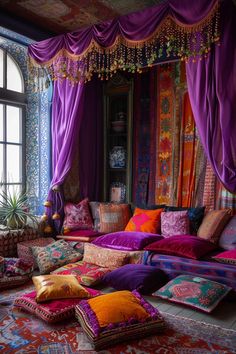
pixel 228 257
pixel 116 317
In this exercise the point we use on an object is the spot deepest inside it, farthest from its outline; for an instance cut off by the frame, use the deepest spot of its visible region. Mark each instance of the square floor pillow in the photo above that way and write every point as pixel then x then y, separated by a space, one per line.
pixel 114 217
pixel 213 224
pixel 51 311
pixel 87 274
pixel 227 238
pixel 228 257
pixel 126 240
pixel 55 255
pixel 145 221
pixel 196 292
pixel 143 278
pixel 77 216
pixel 174 223
pixel 116 317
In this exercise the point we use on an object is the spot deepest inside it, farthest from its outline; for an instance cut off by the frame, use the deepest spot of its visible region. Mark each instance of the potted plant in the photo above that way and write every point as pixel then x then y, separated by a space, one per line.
pixel 14 210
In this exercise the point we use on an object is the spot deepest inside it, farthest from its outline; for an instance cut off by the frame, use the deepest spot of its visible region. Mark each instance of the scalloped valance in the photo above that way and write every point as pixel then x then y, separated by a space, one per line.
pixel 177 29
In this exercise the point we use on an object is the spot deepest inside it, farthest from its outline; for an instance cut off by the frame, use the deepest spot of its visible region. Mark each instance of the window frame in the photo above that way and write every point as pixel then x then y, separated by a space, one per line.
pixel 16 99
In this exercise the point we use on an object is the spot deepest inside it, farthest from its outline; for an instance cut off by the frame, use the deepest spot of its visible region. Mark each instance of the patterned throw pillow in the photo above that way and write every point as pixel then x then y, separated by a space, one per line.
pixel 174 223
pixel 228 257
pixel 213 224
pixel 112 318
pixel 145 221
pixel 51 287
pixel 227 238
pixel 54 255
pixel 104 257
pixel 51 311
pixel 203 294
pixel 17 266
pixel 87 274
pixel 114 217
pixel 77 216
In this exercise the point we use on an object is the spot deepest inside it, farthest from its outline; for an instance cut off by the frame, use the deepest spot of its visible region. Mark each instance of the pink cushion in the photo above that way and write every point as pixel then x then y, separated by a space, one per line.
pixel 174 223
pixel 226 257
pixel 183 245
pixel 77 216
pixel 51 311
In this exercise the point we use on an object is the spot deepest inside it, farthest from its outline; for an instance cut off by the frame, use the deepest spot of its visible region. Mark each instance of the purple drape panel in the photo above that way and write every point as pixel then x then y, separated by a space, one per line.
pixel 212 90
pixel 135 26
pixel 91 143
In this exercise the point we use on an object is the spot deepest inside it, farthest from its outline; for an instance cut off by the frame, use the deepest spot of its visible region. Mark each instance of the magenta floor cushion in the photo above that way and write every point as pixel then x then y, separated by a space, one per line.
pixel 51 311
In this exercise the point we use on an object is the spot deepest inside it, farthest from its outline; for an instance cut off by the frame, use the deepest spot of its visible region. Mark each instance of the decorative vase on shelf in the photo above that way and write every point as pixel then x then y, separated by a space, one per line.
pixel 117 157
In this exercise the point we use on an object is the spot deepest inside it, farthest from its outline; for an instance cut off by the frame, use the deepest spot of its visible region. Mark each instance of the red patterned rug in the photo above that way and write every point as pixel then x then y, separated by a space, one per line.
pixel 23 333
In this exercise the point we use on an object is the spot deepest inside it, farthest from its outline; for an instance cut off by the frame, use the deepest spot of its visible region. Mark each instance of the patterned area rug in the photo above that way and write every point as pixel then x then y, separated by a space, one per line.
pixel 23 333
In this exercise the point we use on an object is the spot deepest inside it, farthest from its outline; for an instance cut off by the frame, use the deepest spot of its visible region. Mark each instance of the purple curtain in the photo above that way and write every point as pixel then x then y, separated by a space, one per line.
pixel 212 91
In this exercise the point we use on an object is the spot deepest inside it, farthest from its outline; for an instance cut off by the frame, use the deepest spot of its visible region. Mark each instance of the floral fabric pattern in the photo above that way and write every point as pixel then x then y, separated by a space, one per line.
pixel 194 291
pixel 174 223
pixel 17 266
pixel 77 216
pixel 54 255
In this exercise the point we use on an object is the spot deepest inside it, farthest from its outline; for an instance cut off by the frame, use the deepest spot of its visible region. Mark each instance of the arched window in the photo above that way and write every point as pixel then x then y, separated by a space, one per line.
pixel 12 124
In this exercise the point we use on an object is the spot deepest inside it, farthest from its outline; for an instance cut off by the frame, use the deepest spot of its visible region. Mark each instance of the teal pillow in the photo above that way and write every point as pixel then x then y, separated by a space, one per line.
pixel 203 294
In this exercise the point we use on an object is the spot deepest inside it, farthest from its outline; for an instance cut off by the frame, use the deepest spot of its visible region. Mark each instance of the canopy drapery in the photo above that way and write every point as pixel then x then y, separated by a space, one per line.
pixel 200 32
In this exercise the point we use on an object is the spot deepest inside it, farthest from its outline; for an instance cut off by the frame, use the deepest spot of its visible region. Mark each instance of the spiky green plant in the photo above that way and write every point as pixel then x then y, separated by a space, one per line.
pixel 14 209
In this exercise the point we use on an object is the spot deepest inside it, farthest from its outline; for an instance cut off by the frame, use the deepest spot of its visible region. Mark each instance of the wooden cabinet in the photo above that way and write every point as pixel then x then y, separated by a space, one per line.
pixel 118 118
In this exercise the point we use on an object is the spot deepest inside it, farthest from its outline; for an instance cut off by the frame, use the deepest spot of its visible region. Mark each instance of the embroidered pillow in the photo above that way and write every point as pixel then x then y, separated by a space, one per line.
pixel 195 216
pixel 174 223
pixel 51 311
pixel 119 316
pixel 87 274
pixel 226 257
pixel 104 257
pixel 227 238
pixel 213 224
pixel 17 266
pixel 200 293
pixel 183 246
pixel 142 278
pixel 145 221
pixel 51 287
pixel 114 217
pixel 126 240
pixel 54 255
pixel 77 216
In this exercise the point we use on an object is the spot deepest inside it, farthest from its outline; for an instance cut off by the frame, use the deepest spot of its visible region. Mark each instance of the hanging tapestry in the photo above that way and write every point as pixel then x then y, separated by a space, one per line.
pixel 209 195
pixel 227 200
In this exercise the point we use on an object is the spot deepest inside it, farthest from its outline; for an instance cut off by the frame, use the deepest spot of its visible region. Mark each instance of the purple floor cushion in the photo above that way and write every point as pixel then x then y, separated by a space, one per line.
pixel 200 293
pixel 127 240
pixel 145 279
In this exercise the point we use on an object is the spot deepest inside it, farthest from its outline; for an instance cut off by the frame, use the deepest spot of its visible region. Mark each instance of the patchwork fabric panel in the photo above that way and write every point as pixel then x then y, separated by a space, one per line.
pixel 54 255
pixel 24 250
pixel 145 221
pixel 77 216
pixel 213 224
pixel 87 274
pixel 114 217
pixel 119 316
pixel 51 311
pixel 194 291
pixel 174 223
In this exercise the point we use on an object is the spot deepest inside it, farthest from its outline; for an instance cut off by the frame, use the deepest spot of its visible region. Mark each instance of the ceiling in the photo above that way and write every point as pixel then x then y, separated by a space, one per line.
pixel 54 17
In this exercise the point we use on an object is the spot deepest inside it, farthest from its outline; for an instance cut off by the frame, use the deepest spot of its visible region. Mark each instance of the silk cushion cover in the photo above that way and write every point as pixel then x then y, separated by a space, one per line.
pixel 200 293
pixel 142 278
pixel 118 316
pixel 114 217
pixel 87 274
pixel 174 223
pixel 213 224
pixel 227 238
pixel 226 257
pixel 104 257
pixel 51 311
pixel 145 221
pixel 50 287
pixel 54 255
pixel 183 245
pixel 77 216
pixel 126 240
